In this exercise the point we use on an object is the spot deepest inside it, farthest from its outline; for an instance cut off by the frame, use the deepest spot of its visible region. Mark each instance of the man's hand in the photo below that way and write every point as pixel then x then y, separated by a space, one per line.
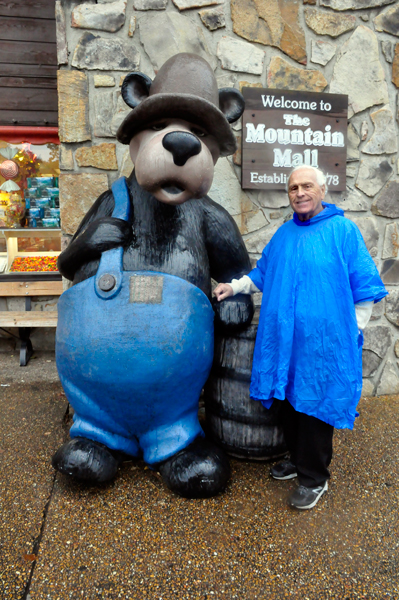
pixel 222 291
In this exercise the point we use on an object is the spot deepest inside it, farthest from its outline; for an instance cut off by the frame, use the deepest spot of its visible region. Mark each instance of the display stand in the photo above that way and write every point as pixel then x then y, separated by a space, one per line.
pixel 26 246
pixel 27 284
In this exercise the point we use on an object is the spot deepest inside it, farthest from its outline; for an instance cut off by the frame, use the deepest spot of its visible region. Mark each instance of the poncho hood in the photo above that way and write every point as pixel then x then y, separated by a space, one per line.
pixel 330 210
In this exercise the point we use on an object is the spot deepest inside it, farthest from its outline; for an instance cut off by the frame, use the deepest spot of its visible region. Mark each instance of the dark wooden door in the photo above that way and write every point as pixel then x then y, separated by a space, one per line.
pixel 28 63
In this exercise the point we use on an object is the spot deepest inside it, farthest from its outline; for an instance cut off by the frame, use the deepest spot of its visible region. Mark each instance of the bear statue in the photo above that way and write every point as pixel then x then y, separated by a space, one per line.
pixel 134 341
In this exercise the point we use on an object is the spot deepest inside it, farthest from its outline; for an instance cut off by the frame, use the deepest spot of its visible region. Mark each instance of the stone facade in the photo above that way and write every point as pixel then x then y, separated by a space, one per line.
pixel 337 46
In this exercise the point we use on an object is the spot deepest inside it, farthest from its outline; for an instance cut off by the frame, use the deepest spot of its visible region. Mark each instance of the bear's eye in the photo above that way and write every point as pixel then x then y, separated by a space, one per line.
pixel 158 126
pixel 198 132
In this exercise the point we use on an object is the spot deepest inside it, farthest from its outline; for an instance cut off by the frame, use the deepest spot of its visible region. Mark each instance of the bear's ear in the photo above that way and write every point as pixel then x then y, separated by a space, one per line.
pixel 231 103
pixel 135 88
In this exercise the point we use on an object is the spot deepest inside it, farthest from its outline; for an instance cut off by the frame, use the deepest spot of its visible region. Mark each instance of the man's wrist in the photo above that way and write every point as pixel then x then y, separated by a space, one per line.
pixel 363 312
pixel 236 286
pixel 244 285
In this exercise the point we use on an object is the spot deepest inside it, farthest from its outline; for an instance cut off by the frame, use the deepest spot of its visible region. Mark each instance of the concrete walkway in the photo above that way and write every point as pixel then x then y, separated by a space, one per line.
pixel 134 539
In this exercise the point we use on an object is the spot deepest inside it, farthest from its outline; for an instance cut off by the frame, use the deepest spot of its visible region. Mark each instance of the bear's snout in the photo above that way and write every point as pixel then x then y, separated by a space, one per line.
pixel 182 145
pixel 172 158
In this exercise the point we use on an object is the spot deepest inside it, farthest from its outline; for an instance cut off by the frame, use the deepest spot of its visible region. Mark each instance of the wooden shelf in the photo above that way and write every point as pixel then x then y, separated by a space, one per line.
pixel 32 318
pixel 30 288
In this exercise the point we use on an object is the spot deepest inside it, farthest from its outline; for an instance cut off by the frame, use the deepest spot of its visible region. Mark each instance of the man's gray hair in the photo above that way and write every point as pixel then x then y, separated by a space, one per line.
pixel 320 177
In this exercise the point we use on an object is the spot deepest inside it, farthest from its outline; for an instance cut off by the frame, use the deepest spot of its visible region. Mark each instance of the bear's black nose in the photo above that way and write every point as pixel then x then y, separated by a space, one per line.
pixel 182 145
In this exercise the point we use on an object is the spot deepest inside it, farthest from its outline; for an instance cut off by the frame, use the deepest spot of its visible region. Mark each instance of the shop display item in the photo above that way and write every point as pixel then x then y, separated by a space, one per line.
pixel 22 252
pixel 53 192
pixel 3 259
pixel 9 169
pixel 51 222
pixel 39 191
pixel 3 208
pixel 42 202
pixel 40 182
pixel 141 264
pixel 12 209
pixel 15 210
pixel 29 200
pixel 42 264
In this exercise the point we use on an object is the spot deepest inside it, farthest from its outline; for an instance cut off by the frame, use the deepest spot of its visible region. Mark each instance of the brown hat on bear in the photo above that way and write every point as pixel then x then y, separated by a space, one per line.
pixel 184 88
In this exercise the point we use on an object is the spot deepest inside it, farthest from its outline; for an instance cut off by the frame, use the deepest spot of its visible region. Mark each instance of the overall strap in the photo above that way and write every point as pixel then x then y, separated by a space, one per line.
pixel 122 199
pixel 108 280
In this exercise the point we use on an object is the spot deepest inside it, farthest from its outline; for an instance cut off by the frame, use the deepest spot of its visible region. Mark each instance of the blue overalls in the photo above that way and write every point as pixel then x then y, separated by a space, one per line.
pixel 134 349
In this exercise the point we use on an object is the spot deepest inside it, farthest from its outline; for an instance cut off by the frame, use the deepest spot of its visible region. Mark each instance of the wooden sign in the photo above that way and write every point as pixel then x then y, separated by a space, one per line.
pixel 283 129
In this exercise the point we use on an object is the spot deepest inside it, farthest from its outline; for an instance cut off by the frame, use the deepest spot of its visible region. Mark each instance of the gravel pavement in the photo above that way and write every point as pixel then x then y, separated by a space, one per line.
pixel 134 539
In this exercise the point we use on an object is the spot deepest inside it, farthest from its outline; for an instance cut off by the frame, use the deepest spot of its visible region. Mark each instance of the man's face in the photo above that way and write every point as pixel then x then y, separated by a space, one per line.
pixel 305 194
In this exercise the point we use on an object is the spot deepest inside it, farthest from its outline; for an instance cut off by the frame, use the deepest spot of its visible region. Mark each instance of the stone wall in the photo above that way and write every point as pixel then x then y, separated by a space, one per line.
pixel 336 46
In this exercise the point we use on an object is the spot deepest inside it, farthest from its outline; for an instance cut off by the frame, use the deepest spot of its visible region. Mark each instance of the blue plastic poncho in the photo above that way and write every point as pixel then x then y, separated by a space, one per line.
pixel 308 347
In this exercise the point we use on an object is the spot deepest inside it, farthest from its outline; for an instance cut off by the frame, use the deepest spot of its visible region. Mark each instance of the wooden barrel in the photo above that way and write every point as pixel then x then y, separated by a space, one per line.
pixel 243 427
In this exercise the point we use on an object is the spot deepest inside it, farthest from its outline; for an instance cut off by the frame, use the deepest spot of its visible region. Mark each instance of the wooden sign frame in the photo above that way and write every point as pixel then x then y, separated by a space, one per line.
pixel 283 129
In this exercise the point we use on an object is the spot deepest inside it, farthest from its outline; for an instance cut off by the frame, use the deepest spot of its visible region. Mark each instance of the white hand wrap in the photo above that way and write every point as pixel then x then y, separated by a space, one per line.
pixel 363 313
pixel 245 285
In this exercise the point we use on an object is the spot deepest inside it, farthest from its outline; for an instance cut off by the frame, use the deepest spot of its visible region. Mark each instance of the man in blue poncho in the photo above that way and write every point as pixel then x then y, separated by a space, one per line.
pixel 319 284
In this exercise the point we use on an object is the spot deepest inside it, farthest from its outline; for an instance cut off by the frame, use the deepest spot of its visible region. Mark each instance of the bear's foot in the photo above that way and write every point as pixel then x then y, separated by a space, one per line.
pixel 86 460
pixel 199 471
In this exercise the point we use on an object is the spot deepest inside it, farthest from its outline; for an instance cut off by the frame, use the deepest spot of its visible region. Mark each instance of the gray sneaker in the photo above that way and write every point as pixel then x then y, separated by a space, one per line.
pixel 307 497
pixel 283 470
